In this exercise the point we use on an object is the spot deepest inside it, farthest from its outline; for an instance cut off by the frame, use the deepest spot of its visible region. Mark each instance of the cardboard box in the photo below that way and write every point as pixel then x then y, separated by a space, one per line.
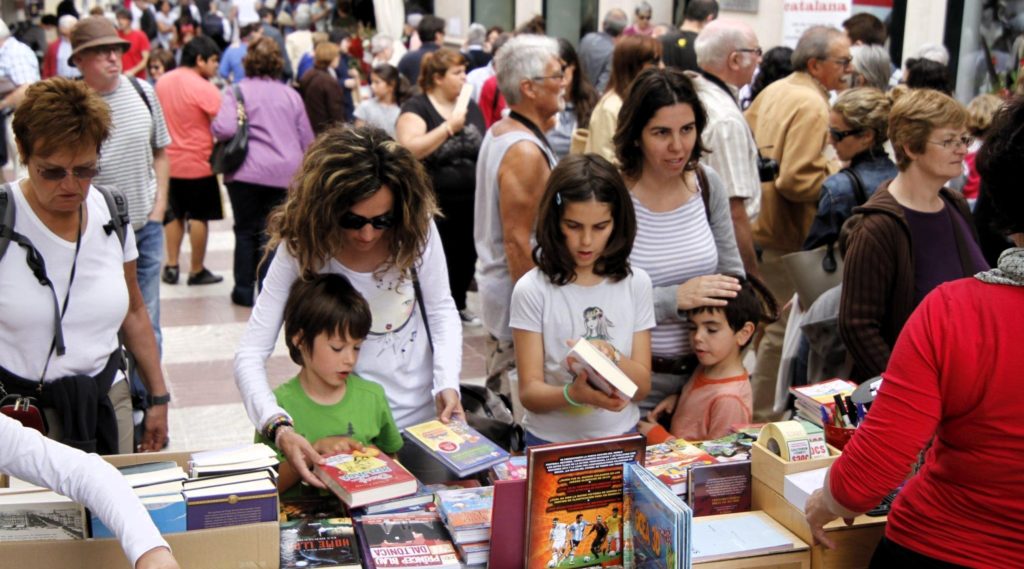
pixel 769 467
pixel 854 544
pixel 797 558
pixel 253 546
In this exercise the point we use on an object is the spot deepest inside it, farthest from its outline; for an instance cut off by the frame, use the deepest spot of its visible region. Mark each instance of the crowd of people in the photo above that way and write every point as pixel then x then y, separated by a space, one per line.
pixel 647 191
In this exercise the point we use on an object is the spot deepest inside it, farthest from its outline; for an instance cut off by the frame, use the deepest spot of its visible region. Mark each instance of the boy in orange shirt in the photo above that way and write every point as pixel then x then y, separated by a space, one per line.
pixel 718 394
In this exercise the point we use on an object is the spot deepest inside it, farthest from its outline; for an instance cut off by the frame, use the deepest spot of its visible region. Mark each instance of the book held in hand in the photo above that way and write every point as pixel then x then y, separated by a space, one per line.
pixel 328 543
pixel 459 447
pixel 366 477
pixel 602 373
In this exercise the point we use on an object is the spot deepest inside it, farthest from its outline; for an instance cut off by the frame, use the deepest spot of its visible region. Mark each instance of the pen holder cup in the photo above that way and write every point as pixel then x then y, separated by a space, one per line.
pixel 838 436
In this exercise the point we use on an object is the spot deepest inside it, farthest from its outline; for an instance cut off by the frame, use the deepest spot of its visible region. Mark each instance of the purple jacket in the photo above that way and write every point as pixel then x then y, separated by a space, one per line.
pixel 279 131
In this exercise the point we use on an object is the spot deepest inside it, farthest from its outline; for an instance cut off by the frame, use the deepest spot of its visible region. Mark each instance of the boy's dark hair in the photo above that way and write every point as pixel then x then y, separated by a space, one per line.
pixel 582 178
pixel 328 304
pixel 199 46
pixel 699 10
pixel 865 28
pixel 429 27
pixel 927 74
pixel 754 303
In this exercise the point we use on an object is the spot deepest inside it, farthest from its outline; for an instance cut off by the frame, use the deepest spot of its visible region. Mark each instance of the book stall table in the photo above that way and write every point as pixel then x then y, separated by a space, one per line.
pixel 796 558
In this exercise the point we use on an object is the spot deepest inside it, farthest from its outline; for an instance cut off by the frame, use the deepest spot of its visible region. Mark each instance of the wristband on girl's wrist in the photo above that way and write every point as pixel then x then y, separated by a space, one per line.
pixel 565 393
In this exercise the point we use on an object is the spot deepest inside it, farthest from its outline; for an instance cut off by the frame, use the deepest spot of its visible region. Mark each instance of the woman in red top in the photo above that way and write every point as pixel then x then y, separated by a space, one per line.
pixel 954 375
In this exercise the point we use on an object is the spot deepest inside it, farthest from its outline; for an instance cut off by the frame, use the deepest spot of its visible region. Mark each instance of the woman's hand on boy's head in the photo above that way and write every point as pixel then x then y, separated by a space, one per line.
pixel 707 290
pixel 300 455
pixel 449 406
pixel 328 446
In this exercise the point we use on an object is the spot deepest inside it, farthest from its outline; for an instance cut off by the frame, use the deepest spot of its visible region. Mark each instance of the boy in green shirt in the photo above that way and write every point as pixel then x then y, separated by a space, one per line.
pixel 325 322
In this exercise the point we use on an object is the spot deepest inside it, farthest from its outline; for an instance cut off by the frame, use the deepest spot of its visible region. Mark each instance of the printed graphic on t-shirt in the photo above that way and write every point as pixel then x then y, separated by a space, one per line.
pixel 596 324
pixel 391 308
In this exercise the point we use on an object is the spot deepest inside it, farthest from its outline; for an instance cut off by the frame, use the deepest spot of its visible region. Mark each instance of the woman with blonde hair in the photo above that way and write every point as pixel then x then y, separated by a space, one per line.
pixel 857 130
pixel 279 133
pixel 632 55
pixel 362 206
pixel 912 235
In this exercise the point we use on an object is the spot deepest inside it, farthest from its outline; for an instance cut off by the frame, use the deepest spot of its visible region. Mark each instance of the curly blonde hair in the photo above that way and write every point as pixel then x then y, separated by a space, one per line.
pixel 344 166
pixel 865 108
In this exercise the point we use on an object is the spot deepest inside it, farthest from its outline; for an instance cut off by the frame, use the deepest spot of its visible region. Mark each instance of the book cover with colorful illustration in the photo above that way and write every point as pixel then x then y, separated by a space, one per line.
pixel 408 540
pixel 657 521
pixel 466 508
pixel 328 543
pixel 365 477
pixel 461 448
pixel 574 496
pixel 670 462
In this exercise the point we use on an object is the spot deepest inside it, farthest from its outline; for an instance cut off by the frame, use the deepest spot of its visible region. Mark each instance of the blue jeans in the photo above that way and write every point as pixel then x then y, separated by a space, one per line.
pixel 150 242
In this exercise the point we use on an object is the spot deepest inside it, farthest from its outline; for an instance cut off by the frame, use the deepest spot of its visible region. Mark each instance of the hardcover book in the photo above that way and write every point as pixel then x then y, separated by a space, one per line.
pixel 657 522
pixel 670 461
pixel 467 513
pixel 723 488
pixel 40 514
pixel 231 505
pixel 602 372
pixel 232 460
pixel 512 469
pixel 508 531
pixel 461 448
pixel 574 511
pixel 328 543
pixel 408 540
pixel 366 477
pixel 474 553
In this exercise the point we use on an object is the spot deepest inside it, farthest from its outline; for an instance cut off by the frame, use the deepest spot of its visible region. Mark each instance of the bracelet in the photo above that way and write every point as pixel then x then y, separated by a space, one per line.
pixel 271 428
pixel 565 393
pixel 448 127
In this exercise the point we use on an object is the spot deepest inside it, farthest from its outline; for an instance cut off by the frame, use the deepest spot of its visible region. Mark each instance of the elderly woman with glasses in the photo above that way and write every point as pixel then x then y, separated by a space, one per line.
pixel 641 21
pixel 70 283
pixel 912 235
pixel 362 206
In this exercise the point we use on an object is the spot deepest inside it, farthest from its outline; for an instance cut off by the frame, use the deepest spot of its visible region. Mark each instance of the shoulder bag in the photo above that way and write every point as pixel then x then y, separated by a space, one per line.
pixel 229 155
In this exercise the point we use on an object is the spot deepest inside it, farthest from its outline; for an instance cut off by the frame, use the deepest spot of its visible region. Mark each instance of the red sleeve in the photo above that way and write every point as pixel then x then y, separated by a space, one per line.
pixel 658 434
pixel 905 413
pixel 487 94
pixel 50 60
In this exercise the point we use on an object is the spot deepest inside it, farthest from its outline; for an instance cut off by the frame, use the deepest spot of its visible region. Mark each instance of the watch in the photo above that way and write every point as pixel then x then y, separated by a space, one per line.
pixel 164 399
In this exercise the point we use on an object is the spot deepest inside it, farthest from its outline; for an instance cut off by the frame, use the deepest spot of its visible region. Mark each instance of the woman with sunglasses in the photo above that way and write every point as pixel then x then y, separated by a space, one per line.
pixel 912 235
pixel 857 130
pixel 279 132
pixel 69 283
pixel 362 206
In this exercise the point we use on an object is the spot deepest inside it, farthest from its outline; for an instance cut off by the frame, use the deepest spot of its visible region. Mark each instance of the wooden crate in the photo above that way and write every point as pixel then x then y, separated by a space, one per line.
pixel 769 467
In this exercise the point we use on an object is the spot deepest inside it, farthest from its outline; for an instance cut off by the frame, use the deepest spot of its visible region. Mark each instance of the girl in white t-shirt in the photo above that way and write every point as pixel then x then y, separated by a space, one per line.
pixel 582 287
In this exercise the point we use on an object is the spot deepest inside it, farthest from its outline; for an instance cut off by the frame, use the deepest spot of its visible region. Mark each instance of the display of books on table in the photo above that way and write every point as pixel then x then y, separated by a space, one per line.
pixel 658 523
pixel 810 399
pixel 328 543
pixel 365 477
pixel 467 513
pixel 418 540
pixel 737 535
pixel 670 461
pixel 458 446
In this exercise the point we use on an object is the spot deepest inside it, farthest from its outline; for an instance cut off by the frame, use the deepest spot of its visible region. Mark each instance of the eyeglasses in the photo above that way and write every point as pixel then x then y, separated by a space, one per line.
pixel 356 222
pixel 105 50
pixel 645 18
pixel 558 76
pixel 839 135
pixel 957 142
pixel 842 61
pixel 58 174
pixel 756 50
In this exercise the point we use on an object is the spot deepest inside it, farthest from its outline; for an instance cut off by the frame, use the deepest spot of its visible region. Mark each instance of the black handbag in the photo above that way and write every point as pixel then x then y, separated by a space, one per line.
pixel 229 155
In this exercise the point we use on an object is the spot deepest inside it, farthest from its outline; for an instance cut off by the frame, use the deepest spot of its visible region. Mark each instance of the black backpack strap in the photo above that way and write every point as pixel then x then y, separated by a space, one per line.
pixel 858 185
pixel 419 302
pixel 117 203
pixel 6 218
pixel 138 88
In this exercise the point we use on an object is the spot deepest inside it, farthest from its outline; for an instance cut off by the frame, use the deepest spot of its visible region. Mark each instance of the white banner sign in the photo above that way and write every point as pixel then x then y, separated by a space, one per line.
pixel 798 15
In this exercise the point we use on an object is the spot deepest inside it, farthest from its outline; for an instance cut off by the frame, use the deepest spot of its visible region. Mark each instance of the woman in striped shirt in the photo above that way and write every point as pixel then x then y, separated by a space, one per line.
pixel 684 239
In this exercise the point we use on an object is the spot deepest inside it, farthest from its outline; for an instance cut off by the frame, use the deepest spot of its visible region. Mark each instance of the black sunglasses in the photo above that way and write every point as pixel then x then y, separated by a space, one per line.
pixel 58 174
pixel 839 135
pixel 355 222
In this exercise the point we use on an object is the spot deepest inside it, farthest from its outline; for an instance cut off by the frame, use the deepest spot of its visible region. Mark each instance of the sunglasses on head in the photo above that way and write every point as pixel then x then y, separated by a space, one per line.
pixel 839 135
pixel 353 221
pixel 58 174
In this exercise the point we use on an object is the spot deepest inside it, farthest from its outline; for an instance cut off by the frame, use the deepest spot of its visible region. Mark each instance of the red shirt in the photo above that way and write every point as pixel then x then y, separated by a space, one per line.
pixel 491 101
pixel 955 373
pixel 133 55
pixel 190 104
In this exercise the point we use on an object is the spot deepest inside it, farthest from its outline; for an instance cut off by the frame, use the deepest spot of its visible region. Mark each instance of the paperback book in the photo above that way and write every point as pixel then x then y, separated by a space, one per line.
pixel 467 513
pixel 407 540
pixel 657 522
pixel 602 373
pixel 459 447
pixel 366 477
pixel 723 488
pixel 512 469
pixel 742 535
pixel 574 510
pixel 328 543
pixel 670 461
pixel 167 512
pixel 231 504
pixel 39 515
pixel 232 460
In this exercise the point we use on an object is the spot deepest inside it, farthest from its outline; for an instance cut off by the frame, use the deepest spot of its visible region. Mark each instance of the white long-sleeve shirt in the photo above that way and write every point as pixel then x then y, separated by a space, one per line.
pixel 85 478
pixel 396 354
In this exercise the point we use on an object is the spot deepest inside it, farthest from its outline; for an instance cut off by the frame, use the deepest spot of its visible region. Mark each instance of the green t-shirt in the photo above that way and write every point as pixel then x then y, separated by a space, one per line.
pixel 362 414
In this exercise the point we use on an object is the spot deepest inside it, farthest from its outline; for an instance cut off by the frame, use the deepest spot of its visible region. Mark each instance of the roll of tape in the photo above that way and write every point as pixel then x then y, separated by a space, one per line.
pixel 788 439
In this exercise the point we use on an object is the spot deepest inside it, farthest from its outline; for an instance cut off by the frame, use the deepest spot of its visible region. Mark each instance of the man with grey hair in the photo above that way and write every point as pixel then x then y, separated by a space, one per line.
pixel 19 68
pixel 790 120
pixel 476 56
pixel 512 169
pixel 728 53
pixel 872 67
pixel 596 48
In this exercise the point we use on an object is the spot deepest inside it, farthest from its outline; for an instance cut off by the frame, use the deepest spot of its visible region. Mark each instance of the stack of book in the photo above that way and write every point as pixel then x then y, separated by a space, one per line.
pixel 670 461
pixel 234 460
pixel 812 399
pixel 159 487
pixel 230 487
pixel 467 515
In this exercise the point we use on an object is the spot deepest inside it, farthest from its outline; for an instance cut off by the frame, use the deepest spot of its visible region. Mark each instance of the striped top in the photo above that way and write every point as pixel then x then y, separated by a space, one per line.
pixel 673 247
pixel 126 158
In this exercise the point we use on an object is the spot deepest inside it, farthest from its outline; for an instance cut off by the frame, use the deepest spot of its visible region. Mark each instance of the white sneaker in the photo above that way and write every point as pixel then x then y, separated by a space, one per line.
pixel 469 319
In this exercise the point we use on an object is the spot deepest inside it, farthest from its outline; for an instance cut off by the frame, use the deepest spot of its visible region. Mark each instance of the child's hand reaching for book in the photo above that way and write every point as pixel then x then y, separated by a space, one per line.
pixel 328 446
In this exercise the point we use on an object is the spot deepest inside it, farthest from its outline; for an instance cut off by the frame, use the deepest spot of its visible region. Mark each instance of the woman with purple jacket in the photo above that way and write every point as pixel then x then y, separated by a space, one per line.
pixel 279 133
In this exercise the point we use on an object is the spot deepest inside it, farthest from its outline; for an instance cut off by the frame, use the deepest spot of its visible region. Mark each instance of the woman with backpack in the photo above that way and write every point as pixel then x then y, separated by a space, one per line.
pixel 70 281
